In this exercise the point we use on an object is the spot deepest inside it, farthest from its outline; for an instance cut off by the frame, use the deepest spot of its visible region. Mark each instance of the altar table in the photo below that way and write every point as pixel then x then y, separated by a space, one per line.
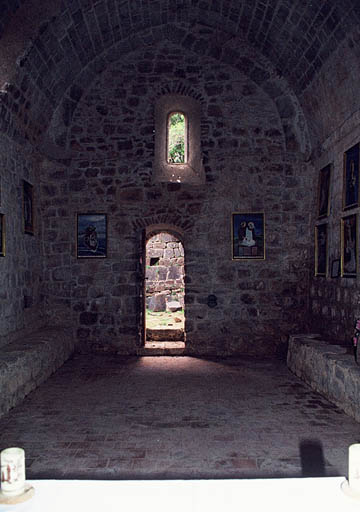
pixel 277 495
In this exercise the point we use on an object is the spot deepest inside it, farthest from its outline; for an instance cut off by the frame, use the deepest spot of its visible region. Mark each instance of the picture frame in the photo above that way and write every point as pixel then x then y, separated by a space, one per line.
pixel 2 235
pixel 321 250
pixel 28 208
pixel 335 268
pixel 248 236
pixel 351 178
pixel 91 235
pixel 324 192
pixel 349 246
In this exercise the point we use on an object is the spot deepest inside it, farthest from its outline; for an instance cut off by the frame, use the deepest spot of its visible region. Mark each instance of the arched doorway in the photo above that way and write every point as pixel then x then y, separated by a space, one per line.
pixel 164 291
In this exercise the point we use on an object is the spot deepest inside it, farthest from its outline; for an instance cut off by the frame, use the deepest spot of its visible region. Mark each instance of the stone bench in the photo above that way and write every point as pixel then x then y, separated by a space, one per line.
pixel 329 369
pixel 28 361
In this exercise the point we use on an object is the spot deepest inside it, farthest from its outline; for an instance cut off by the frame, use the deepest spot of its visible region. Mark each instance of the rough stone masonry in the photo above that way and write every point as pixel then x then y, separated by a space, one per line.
pixel 164 272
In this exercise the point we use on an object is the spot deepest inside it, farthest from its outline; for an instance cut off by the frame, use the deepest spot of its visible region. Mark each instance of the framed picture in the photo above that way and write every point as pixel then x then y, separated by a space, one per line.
pixel 2 234
pixel 324 192
pixel 91 235
pixel 349 246
pixel 28 208
pixel 248 236
pixel 351 178
pixel 335 268
pixel 321 249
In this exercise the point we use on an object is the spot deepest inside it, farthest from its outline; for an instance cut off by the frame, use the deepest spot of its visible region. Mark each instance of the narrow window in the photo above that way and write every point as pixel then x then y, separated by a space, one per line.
pixel 176 138
pixel 178 155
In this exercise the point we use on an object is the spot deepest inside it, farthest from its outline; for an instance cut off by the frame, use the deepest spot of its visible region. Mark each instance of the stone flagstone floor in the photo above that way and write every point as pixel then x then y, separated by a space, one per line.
pixel 107 417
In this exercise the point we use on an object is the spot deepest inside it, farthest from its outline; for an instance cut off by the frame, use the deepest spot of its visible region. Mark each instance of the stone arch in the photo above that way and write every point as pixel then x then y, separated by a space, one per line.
pixel 153 229
pixel 276 34
pixel 240 56
pixel 171 221
pixel 61 39
pixel 180 87
pixel 21 22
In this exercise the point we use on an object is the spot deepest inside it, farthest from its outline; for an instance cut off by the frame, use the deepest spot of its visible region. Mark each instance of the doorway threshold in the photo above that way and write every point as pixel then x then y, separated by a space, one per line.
pixel 162 348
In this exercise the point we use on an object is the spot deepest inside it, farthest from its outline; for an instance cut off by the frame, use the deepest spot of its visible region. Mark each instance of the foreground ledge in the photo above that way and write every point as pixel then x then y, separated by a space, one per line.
pixel 328 369
pixel 272 495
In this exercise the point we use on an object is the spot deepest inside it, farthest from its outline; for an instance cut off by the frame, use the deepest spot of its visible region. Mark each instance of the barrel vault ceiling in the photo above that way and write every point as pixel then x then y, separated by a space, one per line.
pixel 51 49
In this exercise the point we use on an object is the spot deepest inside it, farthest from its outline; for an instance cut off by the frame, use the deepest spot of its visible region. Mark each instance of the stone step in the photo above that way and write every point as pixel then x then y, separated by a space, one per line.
pixel 162 348
pixel 165 334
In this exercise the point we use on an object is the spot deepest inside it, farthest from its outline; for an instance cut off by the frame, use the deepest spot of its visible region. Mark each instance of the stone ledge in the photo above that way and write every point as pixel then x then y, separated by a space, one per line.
pixel 28 361
pixel 328 369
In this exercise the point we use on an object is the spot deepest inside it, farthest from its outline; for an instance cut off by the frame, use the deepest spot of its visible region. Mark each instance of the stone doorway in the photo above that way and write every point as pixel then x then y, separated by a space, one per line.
pixel 164 292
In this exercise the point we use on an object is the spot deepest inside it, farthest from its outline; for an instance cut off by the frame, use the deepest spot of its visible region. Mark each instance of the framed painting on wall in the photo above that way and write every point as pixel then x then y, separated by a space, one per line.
pixel 324 192
pixel 91 235
pixel 351 178
pixel 349 246
pixel 28 208
pixel 2 234
pixel 248 236
pixel 321 249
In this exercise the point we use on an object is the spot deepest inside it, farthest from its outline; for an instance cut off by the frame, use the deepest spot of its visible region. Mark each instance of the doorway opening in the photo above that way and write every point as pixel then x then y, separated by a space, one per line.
pixel 164 292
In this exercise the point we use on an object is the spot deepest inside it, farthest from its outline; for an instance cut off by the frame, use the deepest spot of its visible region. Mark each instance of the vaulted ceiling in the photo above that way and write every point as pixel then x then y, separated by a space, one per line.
pixel 50 50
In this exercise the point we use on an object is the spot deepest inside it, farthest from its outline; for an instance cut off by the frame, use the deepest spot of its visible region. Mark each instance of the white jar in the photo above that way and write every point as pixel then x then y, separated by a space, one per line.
pixel 12 471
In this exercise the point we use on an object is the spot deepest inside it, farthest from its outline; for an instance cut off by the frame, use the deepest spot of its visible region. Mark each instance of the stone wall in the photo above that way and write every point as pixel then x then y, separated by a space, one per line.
pixel 335 302
pixel 59 235
pixel 21 268
pixel 84 91
pixel 164 271
pixel 247 169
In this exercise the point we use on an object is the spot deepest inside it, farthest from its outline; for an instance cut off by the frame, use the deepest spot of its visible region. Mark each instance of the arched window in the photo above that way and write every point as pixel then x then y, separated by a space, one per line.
pixel 178 156
pixel 177 138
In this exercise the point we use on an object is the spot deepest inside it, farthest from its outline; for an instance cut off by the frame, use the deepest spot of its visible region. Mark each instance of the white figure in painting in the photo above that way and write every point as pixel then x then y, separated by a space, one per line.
pixel 249 239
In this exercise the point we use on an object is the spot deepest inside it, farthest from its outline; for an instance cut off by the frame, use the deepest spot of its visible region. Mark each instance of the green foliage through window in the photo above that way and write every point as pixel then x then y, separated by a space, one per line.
pixel 176 138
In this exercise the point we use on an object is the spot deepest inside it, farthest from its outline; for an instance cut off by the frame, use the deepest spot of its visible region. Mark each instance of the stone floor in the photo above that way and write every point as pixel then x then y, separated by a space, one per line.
pixel 107 417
